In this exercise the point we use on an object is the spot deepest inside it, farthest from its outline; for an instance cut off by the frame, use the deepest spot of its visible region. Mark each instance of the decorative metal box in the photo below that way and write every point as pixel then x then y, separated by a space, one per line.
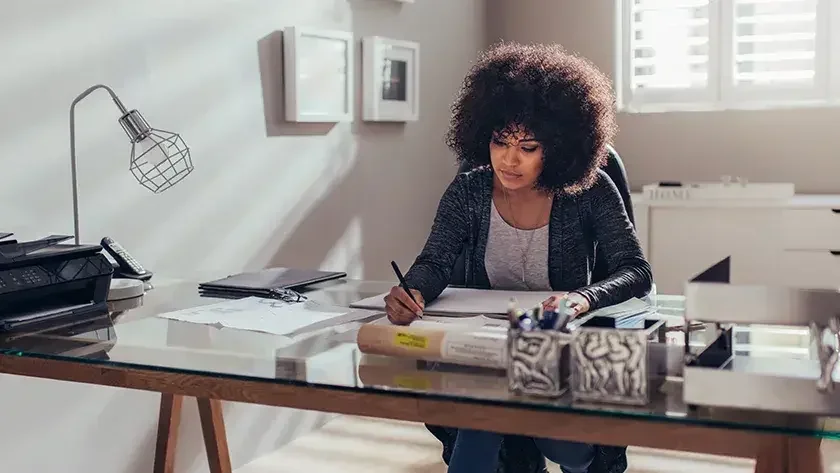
pixel 538 362
pixel 618 365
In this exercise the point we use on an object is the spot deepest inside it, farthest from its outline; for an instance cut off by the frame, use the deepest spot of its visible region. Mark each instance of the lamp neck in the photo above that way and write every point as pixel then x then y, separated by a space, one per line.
pixel 90 90
pixel 123 111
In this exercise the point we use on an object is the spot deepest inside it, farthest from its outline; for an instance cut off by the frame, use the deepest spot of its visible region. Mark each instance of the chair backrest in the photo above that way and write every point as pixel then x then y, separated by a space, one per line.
pixel 616 172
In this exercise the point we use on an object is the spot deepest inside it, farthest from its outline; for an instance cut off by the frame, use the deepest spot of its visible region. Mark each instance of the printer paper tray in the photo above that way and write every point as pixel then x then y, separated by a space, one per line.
pixel 37 316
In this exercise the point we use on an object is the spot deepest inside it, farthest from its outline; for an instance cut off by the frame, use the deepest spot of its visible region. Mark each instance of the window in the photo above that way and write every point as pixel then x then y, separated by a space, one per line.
pixel 722 54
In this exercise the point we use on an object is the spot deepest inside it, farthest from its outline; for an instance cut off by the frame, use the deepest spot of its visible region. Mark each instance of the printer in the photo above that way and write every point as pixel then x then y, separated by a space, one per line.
pixel 44 280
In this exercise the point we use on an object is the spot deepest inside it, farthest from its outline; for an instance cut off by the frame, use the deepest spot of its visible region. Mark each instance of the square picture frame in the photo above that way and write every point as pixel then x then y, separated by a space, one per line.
pixel 390 80
pixel 318 72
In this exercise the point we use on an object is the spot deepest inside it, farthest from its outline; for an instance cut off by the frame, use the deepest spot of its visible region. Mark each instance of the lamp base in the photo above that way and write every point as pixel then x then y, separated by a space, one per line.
pixel 122 289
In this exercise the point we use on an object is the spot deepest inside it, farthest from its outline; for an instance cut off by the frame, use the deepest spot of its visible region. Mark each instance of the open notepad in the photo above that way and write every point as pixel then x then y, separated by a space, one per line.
pixel 457 301
pixel 464 302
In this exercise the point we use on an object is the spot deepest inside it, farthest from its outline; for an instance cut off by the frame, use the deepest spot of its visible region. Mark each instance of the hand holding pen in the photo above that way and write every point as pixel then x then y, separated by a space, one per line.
pixel 403 304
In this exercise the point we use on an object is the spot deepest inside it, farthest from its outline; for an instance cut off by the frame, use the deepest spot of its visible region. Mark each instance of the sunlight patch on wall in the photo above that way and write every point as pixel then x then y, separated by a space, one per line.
pixel 346 254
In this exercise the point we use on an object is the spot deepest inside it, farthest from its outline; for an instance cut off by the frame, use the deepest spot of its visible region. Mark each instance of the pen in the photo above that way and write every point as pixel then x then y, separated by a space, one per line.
pixel 404 284
pixel 549 319
pixel 511 313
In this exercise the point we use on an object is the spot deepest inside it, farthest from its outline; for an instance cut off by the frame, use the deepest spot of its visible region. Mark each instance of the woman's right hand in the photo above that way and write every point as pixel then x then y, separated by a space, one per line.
pixel 399 307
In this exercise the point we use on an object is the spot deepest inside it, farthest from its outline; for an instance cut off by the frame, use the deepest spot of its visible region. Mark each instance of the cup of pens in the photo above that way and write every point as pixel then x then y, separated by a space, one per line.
pixel 538 351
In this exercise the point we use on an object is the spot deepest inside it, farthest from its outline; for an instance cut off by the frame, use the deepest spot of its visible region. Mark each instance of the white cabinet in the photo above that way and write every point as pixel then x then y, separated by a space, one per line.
pixel 794 242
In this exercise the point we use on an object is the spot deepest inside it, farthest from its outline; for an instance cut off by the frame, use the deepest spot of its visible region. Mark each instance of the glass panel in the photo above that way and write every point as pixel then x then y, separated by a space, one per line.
pixel 775 42
pixel 330 358
pixel 670 44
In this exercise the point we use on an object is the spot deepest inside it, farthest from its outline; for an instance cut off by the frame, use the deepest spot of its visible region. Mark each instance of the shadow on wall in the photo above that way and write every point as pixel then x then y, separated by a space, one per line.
pixel 371 194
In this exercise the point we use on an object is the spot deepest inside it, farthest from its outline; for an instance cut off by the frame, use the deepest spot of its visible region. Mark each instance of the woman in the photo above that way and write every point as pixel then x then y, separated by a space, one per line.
pixel 534 123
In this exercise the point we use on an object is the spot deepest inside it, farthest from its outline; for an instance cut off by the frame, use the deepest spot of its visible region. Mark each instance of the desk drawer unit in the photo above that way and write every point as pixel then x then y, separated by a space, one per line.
pixel 809 268
pixel 811 229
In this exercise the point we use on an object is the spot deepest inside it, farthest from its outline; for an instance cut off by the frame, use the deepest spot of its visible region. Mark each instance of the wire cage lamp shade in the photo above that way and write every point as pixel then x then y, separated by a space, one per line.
pixel 159 159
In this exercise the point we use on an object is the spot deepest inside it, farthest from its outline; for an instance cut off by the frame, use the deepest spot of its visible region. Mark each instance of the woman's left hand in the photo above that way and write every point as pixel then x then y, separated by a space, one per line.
pixel 572 301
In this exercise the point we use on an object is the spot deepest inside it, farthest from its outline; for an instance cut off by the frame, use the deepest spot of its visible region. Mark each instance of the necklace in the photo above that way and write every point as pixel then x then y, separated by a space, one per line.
pixel 527 249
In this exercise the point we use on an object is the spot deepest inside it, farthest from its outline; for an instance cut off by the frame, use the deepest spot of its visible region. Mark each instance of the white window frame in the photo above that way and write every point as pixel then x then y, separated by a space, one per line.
pixel 720 92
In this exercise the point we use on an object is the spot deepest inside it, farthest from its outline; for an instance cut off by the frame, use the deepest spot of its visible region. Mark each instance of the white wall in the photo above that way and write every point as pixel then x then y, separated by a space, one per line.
pixel 264 192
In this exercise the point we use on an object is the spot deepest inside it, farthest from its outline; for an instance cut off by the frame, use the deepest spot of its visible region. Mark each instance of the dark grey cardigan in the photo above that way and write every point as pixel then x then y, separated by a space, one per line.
pixel 578 225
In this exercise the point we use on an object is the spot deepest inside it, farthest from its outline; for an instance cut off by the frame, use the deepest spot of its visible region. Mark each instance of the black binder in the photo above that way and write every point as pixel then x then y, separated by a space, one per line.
pixel 266 283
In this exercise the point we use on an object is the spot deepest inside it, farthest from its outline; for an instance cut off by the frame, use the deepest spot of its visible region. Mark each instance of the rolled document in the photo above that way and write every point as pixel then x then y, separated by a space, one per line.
pixel 474 341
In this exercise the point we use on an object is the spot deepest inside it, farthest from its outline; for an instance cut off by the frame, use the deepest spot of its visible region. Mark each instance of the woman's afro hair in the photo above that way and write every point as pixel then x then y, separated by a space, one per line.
pixel 563 100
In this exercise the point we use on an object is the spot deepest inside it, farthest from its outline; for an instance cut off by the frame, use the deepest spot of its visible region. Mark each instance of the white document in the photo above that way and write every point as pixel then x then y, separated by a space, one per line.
pixel 629 307
pixel 456 301
pixel 260 314
pixel 431 322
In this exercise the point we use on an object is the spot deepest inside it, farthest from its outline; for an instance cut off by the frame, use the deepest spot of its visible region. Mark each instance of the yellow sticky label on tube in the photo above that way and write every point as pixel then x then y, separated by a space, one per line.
pixel 412 382
pixel 410 340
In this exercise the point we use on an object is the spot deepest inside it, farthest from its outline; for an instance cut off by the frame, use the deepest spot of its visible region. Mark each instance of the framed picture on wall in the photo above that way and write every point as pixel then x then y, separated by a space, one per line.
pixel 390 79
pixel 318 74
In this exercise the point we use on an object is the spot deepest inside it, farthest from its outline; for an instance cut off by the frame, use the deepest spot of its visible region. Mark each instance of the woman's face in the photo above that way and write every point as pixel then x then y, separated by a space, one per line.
pixel 517 160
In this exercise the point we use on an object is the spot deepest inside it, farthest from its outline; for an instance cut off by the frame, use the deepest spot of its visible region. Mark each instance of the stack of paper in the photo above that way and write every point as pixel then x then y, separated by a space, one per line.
pixel 260 314
pixel 628 314
pixel 456 301
pixel 461 302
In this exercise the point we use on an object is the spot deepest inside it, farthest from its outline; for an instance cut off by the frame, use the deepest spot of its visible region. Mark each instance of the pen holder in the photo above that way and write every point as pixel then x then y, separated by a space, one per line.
pixel 618 365
pixel 538 362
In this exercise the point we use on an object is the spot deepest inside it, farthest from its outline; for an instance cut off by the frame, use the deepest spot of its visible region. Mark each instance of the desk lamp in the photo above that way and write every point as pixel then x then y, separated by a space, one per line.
pixel 159 159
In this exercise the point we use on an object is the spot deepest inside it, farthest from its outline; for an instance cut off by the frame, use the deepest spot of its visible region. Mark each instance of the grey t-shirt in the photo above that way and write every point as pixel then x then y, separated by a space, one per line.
pixel 516 260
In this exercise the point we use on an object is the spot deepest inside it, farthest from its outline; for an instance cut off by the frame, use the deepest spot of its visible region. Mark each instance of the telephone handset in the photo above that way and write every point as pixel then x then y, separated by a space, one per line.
pixel 126 266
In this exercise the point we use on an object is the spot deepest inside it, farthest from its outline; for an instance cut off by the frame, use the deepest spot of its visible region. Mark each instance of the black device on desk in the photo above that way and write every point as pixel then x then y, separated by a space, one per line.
pixel 126 266
pixel 271 282
pixel 44 279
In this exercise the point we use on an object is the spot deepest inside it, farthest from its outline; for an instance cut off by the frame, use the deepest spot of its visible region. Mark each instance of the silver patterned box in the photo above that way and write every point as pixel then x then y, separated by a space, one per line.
pixel 538 362
pixel 618 365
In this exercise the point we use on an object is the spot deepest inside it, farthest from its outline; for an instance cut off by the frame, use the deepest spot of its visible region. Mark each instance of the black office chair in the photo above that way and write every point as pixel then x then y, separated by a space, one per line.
pixel 520 454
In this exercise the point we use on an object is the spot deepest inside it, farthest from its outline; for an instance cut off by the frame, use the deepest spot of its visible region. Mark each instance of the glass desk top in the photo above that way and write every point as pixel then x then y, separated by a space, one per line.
pixel 133 336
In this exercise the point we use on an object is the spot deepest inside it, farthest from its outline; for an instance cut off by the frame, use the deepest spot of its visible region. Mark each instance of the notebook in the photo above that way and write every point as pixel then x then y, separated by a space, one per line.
pixel 457 301
pixel 267 280
pixel 464 302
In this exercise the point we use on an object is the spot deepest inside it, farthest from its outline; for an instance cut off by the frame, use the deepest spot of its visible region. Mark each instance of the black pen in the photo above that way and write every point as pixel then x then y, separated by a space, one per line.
pixel 403 284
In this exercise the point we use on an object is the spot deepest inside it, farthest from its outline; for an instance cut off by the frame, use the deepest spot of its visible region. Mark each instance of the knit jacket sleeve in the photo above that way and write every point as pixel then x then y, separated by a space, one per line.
pixel 431 271
pixel 629 272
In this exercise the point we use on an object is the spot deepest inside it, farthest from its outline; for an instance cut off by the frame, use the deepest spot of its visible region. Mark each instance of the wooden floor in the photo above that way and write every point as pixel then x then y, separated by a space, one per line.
pixel 353 444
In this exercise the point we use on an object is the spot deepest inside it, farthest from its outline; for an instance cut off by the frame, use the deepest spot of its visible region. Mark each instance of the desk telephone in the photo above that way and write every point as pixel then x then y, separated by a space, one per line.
pixel 126 266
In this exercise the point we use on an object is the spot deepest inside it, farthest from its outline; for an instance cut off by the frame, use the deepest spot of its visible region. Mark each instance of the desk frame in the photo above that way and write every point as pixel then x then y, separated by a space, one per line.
pixel 775 453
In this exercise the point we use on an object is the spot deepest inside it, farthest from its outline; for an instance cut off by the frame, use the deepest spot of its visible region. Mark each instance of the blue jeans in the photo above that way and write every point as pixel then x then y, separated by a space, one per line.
pixel 478 452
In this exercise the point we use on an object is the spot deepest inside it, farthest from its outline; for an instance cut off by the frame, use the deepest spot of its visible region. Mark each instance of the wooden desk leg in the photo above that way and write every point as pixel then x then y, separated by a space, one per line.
pixel 803 455
pixel 790 455
pixel 772 458
pixel 215 438
pixel 169 419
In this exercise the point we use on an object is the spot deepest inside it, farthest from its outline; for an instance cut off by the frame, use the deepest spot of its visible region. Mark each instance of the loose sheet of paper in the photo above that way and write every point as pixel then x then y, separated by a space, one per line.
pixel 453 323
pixel 631 306
pixel 463 301
pixel 266 315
